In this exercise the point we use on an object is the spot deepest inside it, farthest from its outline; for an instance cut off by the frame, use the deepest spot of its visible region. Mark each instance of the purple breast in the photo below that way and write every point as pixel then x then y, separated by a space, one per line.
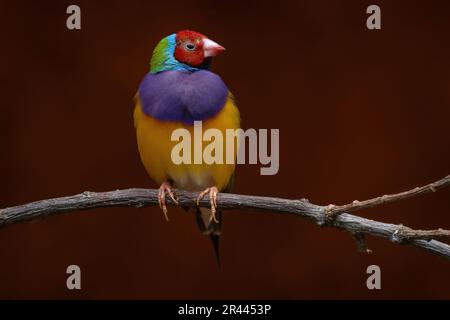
pixel 182 96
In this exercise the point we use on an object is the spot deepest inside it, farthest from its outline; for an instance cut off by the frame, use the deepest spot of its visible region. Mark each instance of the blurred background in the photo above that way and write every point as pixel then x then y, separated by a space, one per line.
pixel 361 113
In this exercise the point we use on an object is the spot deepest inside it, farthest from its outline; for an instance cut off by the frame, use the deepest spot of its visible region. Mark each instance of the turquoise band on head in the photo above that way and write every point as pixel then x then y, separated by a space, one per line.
pixel 163 57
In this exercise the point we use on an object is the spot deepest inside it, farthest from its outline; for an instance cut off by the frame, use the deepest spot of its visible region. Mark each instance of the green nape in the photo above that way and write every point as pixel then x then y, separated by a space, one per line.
pixel 159 55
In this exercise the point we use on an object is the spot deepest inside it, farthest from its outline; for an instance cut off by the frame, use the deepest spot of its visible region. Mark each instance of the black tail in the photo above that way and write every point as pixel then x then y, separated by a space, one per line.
pixel 211 228
pixel 215 240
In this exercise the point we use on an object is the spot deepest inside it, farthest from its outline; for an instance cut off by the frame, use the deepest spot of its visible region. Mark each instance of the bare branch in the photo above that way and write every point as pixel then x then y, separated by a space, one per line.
pixel 356 225
pixel 334 210
pixel 408 234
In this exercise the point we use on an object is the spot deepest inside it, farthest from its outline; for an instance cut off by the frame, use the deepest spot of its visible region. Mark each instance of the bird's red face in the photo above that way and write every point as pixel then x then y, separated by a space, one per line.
pixel 194 48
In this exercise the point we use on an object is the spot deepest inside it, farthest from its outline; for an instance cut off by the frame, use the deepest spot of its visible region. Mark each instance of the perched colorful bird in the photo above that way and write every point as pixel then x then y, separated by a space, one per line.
pixel 177 91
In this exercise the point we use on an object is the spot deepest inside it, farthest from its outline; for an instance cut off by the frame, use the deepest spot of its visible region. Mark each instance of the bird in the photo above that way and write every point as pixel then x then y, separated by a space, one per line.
pixel 178 90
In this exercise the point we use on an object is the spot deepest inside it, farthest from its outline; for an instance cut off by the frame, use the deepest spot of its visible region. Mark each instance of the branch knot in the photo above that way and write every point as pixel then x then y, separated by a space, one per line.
pixel 330 214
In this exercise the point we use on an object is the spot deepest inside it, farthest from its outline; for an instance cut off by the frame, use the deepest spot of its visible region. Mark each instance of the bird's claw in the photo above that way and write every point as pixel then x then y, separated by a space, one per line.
pixel 212 191
pixel 165 187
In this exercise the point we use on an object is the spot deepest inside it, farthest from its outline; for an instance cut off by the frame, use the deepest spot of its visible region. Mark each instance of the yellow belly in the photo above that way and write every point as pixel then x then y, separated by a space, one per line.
pixel 155 148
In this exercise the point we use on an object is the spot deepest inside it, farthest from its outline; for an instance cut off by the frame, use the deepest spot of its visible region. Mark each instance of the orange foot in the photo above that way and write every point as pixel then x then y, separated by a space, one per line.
pixel 212 191
pixel 165 187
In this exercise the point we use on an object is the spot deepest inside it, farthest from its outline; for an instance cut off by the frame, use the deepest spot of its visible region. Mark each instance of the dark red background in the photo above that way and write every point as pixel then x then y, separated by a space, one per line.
pixel 360 113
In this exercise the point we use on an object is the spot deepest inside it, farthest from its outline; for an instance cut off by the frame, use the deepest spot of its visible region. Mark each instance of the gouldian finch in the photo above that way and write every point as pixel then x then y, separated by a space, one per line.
pixel 178 90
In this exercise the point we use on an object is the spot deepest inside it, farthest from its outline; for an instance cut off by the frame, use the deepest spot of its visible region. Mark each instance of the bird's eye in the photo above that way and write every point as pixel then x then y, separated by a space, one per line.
pixel 189 46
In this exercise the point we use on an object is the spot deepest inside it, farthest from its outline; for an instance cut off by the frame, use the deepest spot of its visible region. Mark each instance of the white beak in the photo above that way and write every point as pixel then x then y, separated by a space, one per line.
pixel 211 48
